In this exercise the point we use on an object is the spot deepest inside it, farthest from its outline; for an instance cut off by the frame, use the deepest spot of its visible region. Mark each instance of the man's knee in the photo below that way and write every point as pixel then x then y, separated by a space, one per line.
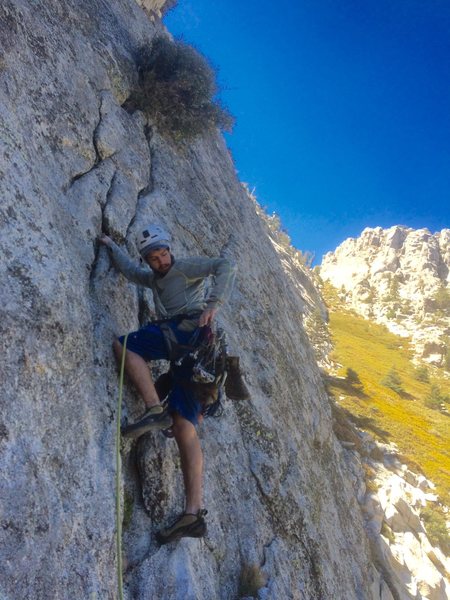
pixel 182 428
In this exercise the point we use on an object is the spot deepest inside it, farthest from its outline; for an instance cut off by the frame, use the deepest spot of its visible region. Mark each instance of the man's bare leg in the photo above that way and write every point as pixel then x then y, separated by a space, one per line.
pixel 137 370
pixel 191 462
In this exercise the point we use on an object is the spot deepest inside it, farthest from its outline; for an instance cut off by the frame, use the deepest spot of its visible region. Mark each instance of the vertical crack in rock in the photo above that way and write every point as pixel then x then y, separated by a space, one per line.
pixel 138 533
pixel 143 308
pixel 147 189
pixel 108 197
pixel 98 158
pixel 131 476
pixel 148 132
pixel 308 545
pixel 268 501
pixel 95 134
pixel 97 245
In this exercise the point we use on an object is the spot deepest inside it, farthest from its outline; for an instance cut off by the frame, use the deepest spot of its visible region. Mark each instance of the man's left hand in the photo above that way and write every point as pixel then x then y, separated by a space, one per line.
pixel 207 317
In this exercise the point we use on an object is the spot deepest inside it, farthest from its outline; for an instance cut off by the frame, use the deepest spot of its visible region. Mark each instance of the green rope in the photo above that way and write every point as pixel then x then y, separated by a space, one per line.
pixel 119 478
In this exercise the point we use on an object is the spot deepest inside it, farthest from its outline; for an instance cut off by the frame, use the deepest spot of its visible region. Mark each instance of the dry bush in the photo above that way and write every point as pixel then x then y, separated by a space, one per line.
pixel 251 579
pixel 177 88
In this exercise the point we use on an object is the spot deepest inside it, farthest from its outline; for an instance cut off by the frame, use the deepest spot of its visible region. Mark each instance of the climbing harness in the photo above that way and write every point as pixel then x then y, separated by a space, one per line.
pixel 119 477
pixel 175 350
pixel 203 358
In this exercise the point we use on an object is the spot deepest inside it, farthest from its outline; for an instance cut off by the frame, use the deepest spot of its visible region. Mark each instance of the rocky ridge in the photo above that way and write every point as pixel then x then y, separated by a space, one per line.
pixel 398 277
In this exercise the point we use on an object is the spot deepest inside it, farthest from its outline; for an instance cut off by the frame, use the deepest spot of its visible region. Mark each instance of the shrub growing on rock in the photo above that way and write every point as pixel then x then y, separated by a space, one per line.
pixel 435 524
pixel 177 88
pixel 251 579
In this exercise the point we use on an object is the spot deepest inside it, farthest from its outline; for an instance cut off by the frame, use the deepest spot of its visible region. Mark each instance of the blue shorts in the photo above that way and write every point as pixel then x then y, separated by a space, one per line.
pixel 149 343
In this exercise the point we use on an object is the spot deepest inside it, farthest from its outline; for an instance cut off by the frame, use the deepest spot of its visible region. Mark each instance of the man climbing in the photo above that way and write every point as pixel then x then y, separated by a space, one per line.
pixel 178 288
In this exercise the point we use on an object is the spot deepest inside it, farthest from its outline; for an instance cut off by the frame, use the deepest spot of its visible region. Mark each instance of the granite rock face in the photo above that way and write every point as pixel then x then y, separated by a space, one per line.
pixel 398 277
pixel 75 163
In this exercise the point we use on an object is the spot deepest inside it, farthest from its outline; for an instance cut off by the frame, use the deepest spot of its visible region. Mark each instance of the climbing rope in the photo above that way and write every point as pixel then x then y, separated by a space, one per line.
pixel 119 478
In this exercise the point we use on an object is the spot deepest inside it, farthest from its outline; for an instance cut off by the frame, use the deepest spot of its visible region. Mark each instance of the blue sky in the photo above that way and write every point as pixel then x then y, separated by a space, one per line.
pixel 342 108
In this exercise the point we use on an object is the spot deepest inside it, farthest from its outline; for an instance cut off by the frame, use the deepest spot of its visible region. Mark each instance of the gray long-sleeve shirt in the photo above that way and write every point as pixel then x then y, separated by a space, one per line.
pixel 182 289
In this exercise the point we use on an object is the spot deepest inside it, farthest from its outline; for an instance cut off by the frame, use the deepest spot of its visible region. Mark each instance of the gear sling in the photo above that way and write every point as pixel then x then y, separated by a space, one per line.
pixel 199 365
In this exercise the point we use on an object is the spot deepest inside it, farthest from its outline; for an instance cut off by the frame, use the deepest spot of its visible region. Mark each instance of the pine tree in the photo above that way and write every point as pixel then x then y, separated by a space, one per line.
pixel 421 374
pixel 446 364
pixel 441 299
pixel 393 381
pixel 434 399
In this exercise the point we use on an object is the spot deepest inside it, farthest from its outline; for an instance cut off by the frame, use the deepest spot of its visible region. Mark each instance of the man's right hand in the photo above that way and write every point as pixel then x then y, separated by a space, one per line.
pixel 104 239
pixel 207 317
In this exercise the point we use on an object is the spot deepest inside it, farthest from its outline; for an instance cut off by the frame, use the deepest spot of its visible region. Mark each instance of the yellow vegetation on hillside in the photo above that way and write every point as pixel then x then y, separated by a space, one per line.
pixel 402 417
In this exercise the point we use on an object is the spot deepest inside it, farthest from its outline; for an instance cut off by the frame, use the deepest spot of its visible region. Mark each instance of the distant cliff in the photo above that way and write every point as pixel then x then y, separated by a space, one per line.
pixel 399 277
pixel 76 161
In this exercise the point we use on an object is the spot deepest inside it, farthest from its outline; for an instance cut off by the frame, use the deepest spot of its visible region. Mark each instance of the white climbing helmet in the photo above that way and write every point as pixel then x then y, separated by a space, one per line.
pixel 152 237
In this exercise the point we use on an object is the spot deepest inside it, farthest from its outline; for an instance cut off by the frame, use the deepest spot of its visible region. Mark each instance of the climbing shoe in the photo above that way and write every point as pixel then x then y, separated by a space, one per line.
pixel 155 418
pixel 235 387
pixel 187 525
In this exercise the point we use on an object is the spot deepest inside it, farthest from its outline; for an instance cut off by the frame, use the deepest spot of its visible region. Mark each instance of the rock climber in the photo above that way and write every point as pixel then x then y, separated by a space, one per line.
pixel 178 287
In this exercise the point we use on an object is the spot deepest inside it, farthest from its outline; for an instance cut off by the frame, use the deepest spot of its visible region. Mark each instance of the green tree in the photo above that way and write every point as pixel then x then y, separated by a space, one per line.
pixel 434 399
pixel 393 381
pixel 435 524
pixel 371 294
pixel 421 374
pixel 441 299
pixel 391 313
pixel 317 329
pixel 446 363
pixel 406 307
pixel 393 294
